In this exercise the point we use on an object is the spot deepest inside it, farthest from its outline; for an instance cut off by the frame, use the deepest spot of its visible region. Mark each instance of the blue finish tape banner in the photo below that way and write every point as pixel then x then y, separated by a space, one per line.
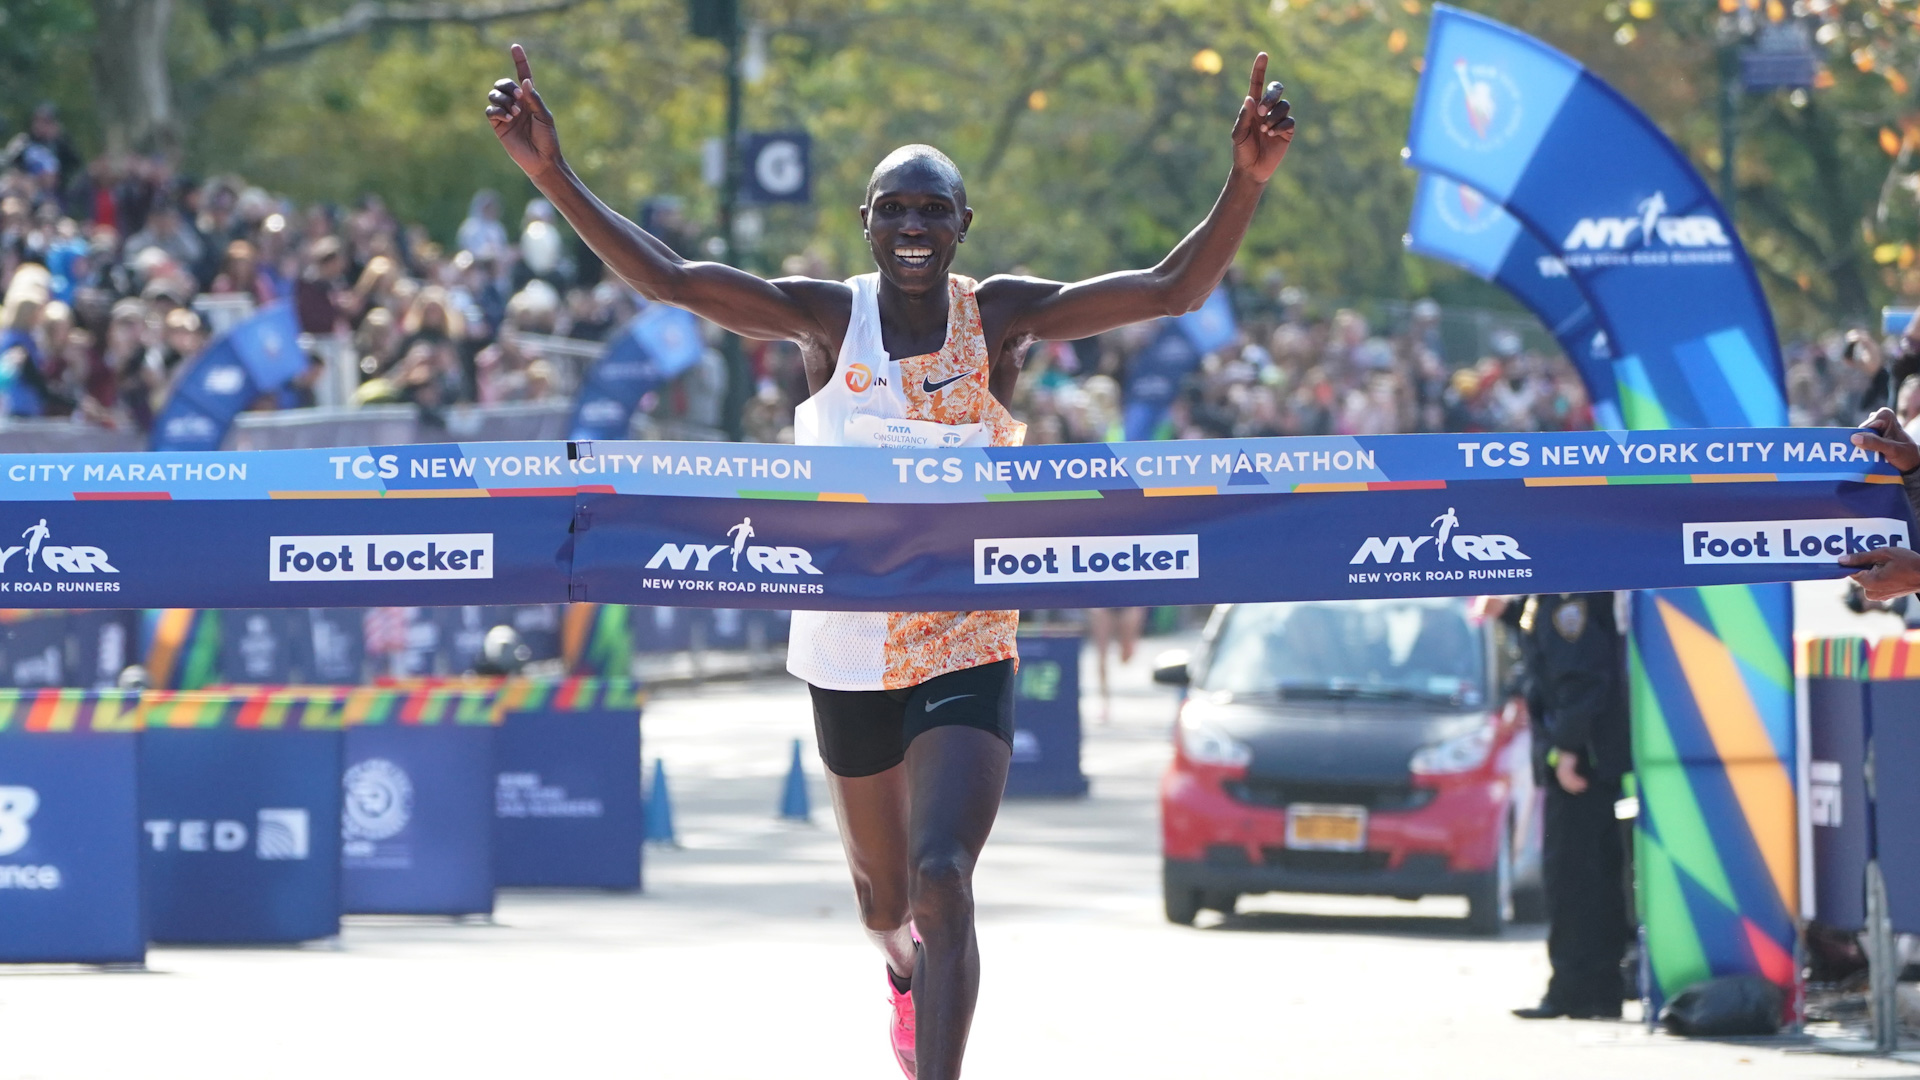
pixel 732 525
pixel 1621 207
pixel 1457 224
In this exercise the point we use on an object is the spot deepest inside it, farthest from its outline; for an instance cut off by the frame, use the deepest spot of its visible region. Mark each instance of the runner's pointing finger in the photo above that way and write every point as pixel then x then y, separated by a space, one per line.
pixel 1253 84
pixel 521 69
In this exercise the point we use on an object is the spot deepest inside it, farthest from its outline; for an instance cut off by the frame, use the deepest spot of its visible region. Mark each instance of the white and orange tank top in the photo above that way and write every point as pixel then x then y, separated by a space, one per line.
pixel 934 401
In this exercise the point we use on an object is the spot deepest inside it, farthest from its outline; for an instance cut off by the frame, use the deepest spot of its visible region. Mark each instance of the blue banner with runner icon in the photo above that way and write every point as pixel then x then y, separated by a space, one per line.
pixel 730 525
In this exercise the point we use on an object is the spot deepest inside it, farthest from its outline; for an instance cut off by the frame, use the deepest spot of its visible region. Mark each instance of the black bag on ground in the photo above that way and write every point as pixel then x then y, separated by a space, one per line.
pixel 1729 1005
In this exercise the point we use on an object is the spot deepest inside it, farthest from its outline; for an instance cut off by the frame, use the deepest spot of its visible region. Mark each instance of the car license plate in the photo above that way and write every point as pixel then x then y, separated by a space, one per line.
pixel 1313 827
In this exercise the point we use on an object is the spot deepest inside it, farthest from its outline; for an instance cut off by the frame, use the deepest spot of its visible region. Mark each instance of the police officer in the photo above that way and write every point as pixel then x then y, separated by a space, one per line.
pixel 1578 701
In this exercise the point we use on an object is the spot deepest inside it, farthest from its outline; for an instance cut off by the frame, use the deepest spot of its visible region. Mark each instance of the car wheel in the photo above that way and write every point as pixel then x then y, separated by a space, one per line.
pixel 1221 902
pixel 1490 899
pixel 1182 901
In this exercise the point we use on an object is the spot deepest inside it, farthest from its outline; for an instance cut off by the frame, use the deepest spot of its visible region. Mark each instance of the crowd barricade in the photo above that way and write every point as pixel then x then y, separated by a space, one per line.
pixel 1834 782
pixel 1862 703
pixel 1893 711
pixel 1046 717
pixel 417 820
pixel 70 883
pixel 567 795
pixel 240 802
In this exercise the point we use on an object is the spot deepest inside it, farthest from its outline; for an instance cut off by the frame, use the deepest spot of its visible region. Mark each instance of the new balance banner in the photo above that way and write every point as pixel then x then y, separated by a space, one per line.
pixel 70 888
pixel 727 525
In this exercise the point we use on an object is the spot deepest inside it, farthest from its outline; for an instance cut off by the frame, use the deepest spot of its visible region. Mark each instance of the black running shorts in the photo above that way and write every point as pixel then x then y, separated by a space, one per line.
pixel 863 732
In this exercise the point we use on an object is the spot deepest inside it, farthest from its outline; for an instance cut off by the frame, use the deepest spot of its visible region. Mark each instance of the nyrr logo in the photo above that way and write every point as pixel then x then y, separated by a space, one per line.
pixel 1650 225
pixel 1480 105
pixel 42 557
pixel 1464 210
pixel 379 801
pixel 1465 547
pixel 764 559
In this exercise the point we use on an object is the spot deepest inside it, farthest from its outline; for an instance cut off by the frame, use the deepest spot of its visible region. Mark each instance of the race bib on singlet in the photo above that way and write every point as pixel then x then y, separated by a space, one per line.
pixel 862 429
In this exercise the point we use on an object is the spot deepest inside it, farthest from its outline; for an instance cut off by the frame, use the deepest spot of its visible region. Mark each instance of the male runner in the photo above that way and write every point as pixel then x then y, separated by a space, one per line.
pixel 741 533
pixel 913 712
pixel 35 536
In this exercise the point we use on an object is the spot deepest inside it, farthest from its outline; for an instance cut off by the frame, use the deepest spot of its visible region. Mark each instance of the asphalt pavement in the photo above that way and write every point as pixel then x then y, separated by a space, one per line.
pixel 743 959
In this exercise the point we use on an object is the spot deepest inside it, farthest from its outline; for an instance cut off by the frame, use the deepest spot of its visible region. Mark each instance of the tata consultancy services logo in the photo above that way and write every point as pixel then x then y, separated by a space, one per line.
pixel 859 377
pixel 1445 544
pixel 1480 106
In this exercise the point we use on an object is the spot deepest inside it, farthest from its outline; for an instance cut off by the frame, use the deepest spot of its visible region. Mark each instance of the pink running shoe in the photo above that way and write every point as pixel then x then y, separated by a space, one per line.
pixel 902 1030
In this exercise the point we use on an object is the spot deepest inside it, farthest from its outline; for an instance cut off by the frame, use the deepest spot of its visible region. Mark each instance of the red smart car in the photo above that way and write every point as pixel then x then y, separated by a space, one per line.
pixel 1373 747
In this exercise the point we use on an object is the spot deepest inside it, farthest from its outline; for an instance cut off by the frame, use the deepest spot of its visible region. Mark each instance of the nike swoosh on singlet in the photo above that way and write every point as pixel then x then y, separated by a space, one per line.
pixel 932 705
pixel 930 387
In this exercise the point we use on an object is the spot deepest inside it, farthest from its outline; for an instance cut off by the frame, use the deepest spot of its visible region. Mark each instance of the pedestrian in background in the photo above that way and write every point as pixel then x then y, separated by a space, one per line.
pixel 1577 699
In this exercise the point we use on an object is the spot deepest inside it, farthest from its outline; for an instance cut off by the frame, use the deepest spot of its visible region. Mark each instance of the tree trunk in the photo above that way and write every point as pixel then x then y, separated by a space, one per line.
pixel 132 88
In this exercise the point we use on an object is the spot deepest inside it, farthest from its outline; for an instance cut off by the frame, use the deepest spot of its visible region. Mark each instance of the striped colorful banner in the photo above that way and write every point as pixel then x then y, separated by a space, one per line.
pixel 63 711
pixel 424 703
pixel 1833 658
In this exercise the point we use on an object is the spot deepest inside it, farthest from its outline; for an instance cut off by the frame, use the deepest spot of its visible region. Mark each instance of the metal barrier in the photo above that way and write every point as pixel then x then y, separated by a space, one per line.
pixel 1862 707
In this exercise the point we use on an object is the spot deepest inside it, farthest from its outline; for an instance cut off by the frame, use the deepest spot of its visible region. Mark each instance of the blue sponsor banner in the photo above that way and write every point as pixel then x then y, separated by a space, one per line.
pixel 241 834
pixel 567 809
pixel 1622 209
pixel 417 825
pixel 1837 797
pixel 1457 224
pixel 258 356
pixel 853 529
pixel 653 348
pixel 69 848
pixel 1046 718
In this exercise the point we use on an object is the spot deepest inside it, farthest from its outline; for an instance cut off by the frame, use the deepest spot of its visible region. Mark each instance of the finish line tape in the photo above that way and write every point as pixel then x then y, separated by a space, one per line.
pixel 1084 525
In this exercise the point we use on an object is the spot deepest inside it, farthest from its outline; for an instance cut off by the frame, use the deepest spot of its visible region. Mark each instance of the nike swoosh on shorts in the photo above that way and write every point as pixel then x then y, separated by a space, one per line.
pixel 932 705
pixel 930 387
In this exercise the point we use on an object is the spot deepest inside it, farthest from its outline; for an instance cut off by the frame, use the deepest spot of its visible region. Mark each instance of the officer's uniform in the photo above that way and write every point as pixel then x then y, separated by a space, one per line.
pixel 1577 697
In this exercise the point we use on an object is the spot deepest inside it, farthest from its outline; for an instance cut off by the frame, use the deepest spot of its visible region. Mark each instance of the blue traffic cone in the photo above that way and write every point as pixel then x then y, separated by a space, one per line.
pixel 794 805
pixel 659 813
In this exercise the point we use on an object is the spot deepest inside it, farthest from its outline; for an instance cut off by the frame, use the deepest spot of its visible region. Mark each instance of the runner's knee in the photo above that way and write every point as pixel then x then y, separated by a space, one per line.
pixel 942 880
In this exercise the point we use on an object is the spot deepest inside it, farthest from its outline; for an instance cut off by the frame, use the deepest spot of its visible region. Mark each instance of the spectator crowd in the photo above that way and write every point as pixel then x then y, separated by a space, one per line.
pixel 116 274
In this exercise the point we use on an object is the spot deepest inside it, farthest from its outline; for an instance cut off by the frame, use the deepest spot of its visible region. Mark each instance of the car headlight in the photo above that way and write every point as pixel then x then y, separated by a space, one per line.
pixel 1204 744
pixel 1462 753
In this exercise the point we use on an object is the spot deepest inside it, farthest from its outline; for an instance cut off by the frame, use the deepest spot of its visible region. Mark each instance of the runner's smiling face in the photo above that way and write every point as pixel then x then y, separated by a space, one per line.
pixel 915 217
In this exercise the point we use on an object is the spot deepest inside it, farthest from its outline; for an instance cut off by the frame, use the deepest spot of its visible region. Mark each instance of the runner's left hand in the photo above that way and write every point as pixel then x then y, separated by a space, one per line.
pixel 1888 572
pixel 1883 435
pixel 1264 129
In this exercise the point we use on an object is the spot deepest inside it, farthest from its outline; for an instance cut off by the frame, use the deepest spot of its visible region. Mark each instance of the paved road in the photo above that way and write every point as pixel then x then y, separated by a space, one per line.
pixel 743 961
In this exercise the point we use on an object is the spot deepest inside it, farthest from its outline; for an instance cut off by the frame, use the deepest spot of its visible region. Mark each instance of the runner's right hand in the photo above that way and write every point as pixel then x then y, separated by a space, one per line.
pixel 521 120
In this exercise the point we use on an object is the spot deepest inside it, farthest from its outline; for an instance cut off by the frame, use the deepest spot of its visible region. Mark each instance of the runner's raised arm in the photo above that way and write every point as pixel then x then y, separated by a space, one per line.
pixel 792 309
pixel 1029 309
